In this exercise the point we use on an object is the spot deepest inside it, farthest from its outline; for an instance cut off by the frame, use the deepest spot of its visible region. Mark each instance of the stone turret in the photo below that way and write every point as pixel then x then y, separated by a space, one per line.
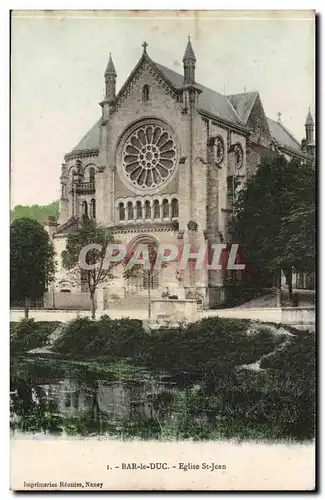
pixel 110 80
pixel 309 128
pixel 189 61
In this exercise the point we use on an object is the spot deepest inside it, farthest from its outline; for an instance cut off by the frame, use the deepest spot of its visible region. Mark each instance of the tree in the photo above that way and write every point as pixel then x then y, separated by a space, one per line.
pixel 89 233
pixel 275 219
pixel 31 261
pixel 143 267
pixel 35 212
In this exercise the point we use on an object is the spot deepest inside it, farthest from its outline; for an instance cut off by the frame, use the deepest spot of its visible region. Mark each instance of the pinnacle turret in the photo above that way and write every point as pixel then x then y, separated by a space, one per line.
pixel 189 61
pixel 110 69
pixel 189 52
pixel 309 119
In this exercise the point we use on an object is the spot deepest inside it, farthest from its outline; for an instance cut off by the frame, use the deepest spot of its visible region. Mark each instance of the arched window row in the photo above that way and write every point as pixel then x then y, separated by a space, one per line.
pixel 155 210
pixel 87 174
pixel 89 210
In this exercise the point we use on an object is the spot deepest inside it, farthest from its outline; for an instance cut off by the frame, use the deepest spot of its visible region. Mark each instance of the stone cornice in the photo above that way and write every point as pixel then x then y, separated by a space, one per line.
pixel 81 154
pixel 135 230
pixel 222 122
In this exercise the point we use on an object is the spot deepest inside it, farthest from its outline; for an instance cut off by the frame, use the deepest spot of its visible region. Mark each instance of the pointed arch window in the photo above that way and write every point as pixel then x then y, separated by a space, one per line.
pixel 85 208
pixel 156 209
pixel 130 210
pixel 147 209
pixel 93 208
pixel 165 209
pixel 174 207
pixel 121 211
pixel 139 210
pixel 145 93
pixel 92 174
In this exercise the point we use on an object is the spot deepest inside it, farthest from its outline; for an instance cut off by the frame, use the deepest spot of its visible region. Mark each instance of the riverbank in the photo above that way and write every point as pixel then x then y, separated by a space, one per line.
pixel 215 379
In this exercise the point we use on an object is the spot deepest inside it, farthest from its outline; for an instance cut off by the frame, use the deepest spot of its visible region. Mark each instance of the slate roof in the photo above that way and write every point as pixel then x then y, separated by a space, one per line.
pixel 210 100
pixel 90 140
pixel 282 135
pixel 243 103
pixel 233 108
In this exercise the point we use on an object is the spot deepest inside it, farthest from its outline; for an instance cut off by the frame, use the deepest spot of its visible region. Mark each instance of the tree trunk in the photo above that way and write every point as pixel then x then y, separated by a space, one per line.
pixel 149 295
pixel 26 308
pixel 93 306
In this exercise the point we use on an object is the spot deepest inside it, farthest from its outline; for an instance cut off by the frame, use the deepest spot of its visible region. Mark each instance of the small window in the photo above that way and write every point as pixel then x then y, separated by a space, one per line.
pixel 147 209
pixel 156 209
pixel 85 208
pixel 92 174
pixel 139 210
pixel 165 209
pixel 145 93
pixel 93 208
pixel 174 207
pixel 130 210
pixel 121 210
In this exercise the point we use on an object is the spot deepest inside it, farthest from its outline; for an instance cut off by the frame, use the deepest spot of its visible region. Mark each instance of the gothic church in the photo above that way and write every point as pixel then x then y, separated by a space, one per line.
pixel 163 163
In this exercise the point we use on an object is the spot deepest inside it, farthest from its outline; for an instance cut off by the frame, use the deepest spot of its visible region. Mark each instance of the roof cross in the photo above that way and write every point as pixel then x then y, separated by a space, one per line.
pixel 144 45
pixel 279 116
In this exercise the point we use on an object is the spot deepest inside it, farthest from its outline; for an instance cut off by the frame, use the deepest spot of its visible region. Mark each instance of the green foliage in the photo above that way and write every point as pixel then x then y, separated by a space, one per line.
pixel 90 233
pixel 106 337
pixel 31 259
pixel 28 334
pixel 275 217
pixel 204 349
pixel 35 212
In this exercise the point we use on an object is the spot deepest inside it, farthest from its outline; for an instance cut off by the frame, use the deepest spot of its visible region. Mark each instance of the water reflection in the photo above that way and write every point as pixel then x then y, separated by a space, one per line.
pixel 78 407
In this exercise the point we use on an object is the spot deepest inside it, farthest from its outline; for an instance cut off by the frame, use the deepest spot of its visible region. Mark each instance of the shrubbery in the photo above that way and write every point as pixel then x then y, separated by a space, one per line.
pixel 29 334
pixel 196 348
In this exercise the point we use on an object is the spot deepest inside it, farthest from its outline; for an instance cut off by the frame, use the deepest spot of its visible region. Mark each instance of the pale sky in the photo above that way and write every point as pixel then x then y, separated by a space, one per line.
pixel 59 59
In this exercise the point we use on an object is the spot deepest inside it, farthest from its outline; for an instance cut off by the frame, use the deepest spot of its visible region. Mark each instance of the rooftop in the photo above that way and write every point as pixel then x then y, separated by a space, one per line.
pixel 233 109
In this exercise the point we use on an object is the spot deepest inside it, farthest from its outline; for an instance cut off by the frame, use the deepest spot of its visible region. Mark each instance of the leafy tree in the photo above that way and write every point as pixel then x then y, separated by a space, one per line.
pixel 35 212
pixel 89 233
pixel 275 219
pixel 31 261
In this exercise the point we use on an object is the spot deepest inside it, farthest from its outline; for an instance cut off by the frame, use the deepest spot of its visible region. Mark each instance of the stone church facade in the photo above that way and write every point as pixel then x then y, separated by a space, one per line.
pixel 163 164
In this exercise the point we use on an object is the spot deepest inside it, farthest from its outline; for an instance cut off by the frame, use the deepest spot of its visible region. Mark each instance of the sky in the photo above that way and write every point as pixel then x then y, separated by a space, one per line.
pixel 58 59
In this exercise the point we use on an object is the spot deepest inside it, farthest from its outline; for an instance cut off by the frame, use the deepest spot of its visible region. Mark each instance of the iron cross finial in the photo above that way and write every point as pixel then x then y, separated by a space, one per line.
pixel 279 116
pixel 144 45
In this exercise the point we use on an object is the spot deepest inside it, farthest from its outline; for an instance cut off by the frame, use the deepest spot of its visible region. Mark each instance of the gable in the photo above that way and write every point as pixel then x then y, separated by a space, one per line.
pixel 243 104
pixel 70 226
pixel 257 121
pixel 145 65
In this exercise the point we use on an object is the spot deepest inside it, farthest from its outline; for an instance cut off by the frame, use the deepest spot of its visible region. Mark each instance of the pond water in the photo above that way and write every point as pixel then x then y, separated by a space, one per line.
pixel 83 403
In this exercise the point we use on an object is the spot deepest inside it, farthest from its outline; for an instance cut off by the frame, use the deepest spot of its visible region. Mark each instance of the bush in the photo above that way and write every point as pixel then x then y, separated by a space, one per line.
pixel 29 334
pixel 211 344
pixel 106 337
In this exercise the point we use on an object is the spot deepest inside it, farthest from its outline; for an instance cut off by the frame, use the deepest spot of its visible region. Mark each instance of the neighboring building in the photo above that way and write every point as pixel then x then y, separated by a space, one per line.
pixel 164 163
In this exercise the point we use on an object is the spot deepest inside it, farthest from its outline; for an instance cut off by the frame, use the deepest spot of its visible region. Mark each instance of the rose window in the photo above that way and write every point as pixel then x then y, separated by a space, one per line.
pixel 149 156
pixel 219 149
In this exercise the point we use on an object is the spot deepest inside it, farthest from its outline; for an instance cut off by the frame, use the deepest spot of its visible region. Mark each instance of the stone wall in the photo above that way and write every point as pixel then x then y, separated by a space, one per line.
pixel 64 300
pixel 299 317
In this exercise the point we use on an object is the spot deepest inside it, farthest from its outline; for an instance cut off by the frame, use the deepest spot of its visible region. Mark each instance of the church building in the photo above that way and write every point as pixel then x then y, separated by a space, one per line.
pixel 163 164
